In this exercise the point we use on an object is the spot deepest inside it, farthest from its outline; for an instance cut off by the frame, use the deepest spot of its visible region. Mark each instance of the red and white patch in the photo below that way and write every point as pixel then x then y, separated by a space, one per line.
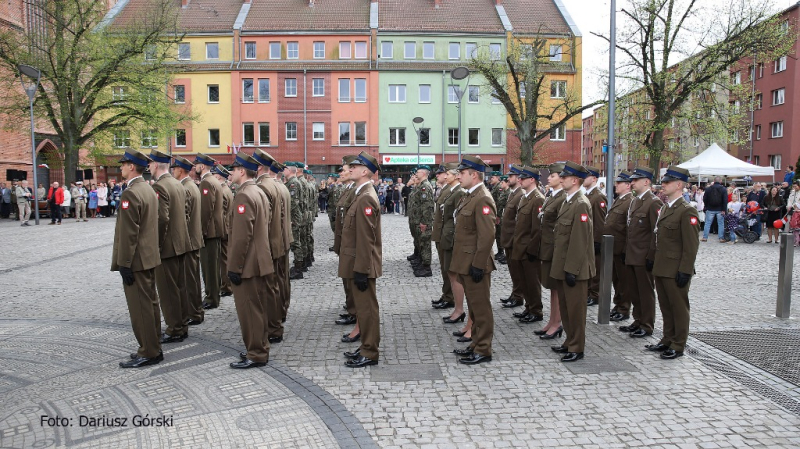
pixel 157 195
pixel 658 212
pixel 602 204
pixel 486 210
pixel 368 211
pixel 126 204
pixel 584 218
pixel 205 191
pixel 693 220
pixel 241 209
pixel 540 208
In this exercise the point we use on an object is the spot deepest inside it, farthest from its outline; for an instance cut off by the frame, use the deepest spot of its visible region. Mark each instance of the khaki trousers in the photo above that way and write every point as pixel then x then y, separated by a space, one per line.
pixel 622 293
pixel 169 280
pixel 643 297
pixel 250 298
pixel 284 287
pixel 368 314
pixel 145 315
pixel 24 211
pixel 572 304
pixel 225 283
pixel 532 285
pixel 594 283
pixel 209 262
pixel 480 312
pixel 193 302
pixel 274 304
pixel 349 301
pixel 516 270
pixel 80 210
pixel 444 265
pixel 674 304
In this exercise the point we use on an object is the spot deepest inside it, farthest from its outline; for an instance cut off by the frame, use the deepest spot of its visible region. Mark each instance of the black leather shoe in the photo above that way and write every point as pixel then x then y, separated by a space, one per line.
pixel 458 333
pixel 512 304
pixel 346 338
pixel 474 359
pixel 246 363
pixel 559 349
pixel 242 355
pixel 330 248
pixel 223 294
pixel 353 354
pixel 444 305
pixel 360 362
pixel 670 354
pixel 139 362
pixel 412 257
pixel 640 333
pixel 519 314
pixel 276 339
pixel 464 339
pixel 619 317
pixel 295 274
pixel 463 352
pixel 628 328
pixel 531 318
pixel 165 338
pixel 344 315
pixel 424 271
pixel 572 356
pixel 350 319
pixel 591 302
pixel 209 306
pixel 659 347
pixel 437 301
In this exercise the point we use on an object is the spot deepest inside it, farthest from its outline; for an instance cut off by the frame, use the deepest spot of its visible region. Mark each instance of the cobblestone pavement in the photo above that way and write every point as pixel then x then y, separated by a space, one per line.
pixel 64 326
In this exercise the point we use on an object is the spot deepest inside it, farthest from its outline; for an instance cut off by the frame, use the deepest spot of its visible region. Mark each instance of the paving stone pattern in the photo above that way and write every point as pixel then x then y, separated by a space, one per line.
pixel 64 327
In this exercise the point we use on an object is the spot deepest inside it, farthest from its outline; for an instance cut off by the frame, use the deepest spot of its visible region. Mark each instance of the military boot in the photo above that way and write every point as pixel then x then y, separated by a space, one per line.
pixel 413 256
pixel 296 272
pixel 309 262
pixel 423 271
pixel 502 259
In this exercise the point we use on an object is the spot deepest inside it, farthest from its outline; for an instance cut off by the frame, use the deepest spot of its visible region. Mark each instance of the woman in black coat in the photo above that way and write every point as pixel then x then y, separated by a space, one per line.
pixel 773 205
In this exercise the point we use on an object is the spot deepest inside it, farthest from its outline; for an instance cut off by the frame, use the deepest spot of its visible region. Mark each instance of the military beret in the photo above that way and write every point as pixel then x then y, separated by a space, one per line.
pixel 423 167
pixel 496 173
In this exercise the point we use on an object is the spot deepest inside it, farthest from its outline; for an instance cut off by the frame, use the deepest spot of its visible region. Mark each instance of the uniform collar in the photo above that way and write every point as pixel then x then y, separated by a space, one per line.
pixel 672 203
pixel 130 181
pixel 358 189
pixel 571 195
pixel 472 189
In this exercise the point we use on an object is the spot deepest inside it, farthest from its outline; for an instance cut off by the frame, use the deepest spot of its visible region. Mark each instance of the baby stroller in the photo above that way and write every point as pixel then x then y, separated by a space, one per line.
pixel 747 220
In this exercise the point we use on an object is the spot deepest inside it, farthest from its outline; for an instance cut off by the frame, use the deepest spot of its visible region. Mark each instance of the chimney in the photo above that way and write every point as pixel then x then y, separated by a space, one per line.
pixel 437 3
pixel 185 3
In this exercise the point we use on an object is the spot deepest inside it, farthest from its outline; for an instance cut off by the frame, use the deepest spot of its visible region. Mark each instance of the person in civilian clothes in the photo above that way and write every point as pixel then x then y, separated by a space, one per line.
pixel 250 262
pixel 193 296
pixel 222 174
pixel 599 207
pixel 573 260
pixel 361 259
pixel 475 220
pixel 527 238
pixel 640 250
pixel 617 225
pixel 135 256
pixel 677 241
pixel 211 204
pixel 507 239
pixel 548 215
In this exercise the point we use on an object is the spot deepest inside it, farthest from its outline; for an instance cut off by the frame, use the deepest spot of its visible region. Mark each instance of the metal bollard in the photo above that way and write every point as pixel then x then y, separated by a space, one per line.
pixel 606 267
pixel 783 309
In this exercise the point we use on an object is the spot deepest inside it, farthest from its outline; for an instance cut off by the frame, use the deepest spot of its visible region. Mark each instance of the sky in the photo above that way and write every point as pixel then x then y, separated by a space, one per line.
pixel 594 16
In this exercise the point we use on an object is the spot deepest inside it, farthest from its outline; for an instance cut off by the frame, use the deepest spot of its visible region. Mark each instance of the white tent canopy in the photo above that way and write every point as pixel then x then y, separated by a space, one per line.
pixel 715 161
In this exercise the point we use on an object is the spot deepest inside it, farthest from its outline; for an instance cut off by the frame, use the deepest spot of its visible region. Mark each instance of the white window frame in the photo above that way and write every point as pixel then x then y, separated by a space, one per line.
pixel 776 130
pixel 219 138
pixel 454 50
pixel 780 64
pixel 286 85
pixel 122 138
pixel 293 50
pixel 470 50
pixel 183 91
pixel 452 137
pixel 500 132
pixel 356 97
pixel 361 51
pixel 494 51
pixel 737 78
pixel 559 134
pixel 339 138
pixel 119 94
pixel 387 45
pixel 269 90
pixel 188 47
pixel 696 141
pixel 342 97
pixel 560 89
pixel 758 132
pixel 556 52
pixel 318 131
pixel 356 125
pixel 210 45
pixel 452 97
pixel 428 50
pixel 317 50
pixel 208 93
pixel 395 133
pixel 247 47
pixel 775 161
pixel 317 87
pixel 413 47
pixel 272 48
pixel 477 90
pixel 244 132
pixel 177 133
pixel 261 140
pixel 345 50
pixel 252 90
pixel 397 90
pixel 779 96
pixel 423 88
pixel 495 100
pixel 290 127
pixel 469 136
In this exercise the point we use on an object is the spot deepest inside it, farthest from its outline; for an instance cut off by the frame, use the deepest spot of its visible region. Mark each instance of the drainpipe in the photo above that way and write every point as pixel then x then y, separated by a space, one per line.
pixel 305 119
pixel 444 128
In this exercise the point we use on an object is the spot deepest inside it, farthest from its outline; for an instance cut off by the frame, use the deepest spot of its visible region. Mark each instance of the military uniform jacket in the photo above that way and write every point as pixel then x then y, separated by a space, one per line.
pixel 599 206
pixel 509 218
pixel 136 234
pixel 173 232
pixel 248 242
pixel 444 194
pixel 361 248
pixel 345 200
pixel 286 215
pixel 296 207
pixel 448 215
pixel 677 239
pixel 424 205
pixel 617 222
pixel 412 199
pixel 641 243
pixel 211 207
pixel 334 191
pixel 227 199
pixel 549 215
pixel 270 189
pixel 574 243
pixel 527 236
pixel 193 214
pixel 475 228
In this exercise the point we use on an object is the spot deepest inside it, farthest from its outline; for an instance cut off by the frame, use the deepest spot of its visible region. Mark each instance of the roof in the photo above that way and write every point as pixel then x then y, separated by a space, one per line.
pixel 297 15
pixel 536 17
pixel 197 16
pixel 472 16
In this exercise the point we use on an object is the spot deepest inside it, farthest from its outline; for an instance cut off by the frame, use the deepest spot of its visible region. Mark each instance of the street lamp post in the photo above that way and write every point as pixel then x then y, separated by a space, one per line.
pixel 458 74
pixel 416 121
pixel 33 75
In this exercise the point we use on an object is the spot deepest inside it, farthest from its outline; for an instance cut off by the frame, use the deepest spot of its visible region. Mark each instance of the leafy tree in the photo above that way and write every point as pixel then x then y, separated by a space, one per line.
pixel 96 80
pixel 521 82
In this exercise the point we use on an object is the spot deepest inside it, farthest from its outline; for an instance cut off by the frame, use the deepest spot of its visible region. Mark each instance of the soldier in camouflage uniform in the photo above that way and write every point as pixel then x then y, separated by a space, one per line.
pixel 500 198
pixel 412 180
pixel 296 210
pixel 334 192
pixel 311 213
pixel 423 221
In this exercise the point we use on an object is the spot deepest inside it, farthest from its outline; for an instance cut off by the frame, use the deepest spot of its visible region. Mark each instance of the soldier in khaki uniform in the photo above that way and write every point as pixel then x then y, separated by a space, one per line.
pixel 212 223
pixel 599 207
pixel 345 199
pixel 617 226
pixel 507 225
pixel 193 296
pixel 250 262
pixel 640 251
pixel 677 241
pixel 361 258
pixel 573 260
pixel 446 300
pixel 526 239
pixel 452 192
pixel 475 219
pixel 282 269
pixel 173 241
pixel 222 174
pixel 548 216
pixel 135 255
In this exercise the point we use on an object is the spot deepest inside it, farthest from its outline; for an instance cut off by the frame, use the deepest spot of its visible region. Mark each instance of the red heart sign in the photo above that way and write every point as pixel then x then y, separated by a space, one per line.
pixel 387 159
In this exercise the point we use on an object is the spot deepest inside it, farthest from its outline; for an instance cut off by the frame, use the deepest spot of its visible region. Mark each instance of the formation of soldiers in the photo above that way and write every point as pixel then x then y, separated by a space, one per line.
pixel 234 229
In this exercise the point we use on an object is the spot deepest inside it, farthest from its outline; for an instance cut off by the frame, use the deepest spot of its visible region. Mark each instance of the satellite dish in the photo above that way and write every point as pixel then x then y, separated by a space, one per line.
pixel 459 73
